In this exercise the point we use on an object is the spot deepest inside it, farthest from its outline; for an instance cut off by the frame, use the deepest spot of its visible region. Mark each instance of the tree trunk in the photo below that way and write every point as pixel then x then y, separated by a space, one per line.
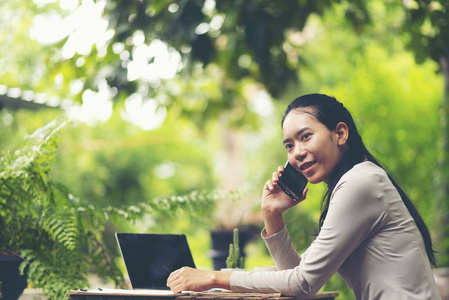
pixel 442 178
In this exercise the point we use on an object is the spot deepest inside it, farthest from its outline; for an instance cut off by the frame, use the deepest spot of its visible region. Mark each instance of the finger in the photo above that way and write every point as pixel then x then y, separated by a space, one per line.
pixel 175 286
pixel 275 176
pixel 176 289
pixel 304 194
pixel 269 185
pixel 170 282
pixel 173 277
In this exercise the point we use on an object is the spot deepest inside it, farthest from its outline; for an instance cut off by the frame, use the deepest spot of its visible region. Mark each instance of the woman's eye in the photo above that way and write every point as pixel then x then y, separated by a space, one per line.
pixel 288 146
pixel 305 136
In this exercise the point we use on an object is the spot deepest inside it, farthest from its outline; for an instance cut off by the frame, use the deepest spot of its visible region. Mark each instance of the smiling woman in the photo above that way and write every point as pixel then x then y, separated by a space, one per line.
pixel 370 232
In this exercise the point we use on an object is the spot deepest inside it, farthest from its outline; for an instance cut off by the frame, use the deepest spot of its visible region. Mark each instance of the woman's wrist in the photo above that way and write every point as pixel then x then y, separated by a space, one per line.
pixel 272 212
pixel 273 223
pixel 272 216
pixel 221 279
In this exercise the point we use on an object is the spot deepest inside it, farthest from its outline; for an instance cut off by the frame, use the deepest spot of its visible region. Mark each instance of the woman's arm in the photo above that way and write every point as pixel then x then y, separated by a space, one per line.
pixel 281 249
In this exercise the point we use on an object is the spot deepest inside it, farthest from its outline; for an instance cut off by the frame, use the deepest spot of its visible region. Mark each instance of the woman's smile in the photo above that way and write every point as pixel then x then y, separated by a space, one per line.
pixel 307 165
pixel 308 168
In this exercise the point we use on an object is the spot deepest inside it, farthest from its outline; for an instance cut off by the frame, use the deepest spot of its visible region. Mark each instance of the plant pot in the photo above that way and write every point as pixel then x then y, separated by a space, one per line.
pixel 442 279
pixel 220 246
pixel 12 283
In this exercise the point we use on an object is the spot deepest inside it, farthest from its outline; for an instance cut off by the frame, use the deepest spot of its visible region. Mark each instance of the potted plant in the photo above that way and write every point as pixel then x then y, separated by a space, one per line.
pixel 57 238
pixel 234 259
pixel 54 236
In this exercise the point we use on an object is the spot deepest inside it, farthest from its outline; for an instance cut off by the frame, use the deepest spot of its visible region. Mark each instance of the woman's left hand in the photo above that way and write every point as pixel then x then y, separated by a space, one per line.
pixel 189 279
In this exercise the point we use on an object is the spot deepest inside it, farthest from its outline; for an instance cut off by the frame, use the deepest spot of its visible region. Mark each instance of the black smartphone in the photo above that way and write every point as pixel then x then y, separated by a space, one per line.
pixel 292 182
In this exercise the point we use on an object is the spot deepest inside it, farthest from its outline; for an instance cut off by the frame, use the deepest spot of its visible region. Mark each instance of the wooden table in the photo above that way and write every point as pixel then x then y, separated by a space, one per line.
pixel 194 296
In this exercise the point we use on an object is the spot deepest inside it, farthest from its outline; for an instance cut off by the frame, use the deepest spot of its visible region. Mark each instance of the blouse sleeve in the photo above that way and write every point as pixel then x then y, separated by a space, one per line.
pixel 356 210
pixel 281 249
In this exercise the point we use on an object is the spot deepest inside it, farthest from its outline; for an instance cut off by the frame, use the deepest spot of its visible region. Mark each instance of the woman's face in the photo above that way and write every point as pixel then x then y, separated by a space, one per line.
pixel 312 148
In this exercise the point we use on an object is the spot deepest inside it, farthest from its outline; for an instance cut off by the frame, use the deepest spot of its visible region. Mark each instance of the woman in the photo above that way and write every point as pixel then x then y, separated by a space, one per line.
pixel 370 232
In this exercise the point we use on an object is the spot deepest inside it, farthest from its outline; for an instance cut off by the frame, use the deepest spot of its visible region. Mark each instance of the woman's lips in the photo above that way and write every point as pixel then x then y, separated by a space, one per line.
pixel 305 167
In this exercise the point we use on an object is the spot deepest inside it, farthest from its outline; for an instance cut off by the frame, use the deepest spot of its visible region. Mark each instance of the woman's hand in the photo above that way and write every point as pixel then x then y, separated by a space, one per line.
pixel 275 202
pixel 189 279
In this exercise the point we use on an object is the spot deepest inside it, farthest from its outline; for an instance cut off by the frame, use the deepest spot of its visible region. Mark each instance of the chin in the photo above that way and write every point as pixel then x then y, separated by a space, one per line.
pixel 315 180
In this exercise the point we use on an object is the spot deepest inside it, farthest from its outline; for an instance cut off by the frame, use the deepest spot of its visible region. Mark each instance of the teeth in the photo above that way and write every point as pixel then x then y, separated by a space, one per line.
pixel 307 165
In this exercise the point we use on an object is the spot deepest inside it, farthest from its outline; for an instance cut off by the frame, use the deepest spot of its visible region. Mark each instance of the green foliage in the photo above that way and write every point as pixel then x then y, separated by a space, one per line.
pixel 302 228
pixel 25 190
pixel 427 26
pixel 245 42
pixel 44 224
pixel 117 163
pixel 234 260
pixel 61 237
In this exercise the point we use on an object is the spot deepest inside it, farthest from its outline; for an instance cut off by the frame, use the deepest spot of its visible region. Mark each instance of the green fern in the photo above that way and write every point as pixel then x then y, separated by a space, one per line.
pixel 59 236
pixel 62 226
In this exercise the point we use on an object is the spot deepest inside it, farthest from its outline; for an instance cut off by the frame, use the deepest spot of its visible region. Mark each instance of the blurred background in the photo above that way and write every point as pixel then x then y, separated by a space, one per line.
pixel 167 98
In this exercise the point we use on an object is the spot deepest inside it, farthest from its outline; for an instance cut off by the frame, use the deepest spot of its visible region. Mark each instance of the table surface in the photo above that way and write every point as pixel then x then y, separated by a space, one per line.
pixel 92 295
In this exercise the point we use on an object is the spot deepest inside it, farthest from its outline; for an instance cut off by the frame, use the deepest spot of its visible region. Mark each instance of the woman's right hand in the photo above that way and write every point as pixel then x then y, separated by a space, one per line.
pixel 275 202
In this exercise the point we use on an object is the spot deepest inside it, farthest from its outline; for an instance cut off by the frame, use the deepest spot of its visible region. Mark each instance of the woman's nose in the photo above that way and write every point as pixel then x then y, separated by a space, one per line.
pixel 300 153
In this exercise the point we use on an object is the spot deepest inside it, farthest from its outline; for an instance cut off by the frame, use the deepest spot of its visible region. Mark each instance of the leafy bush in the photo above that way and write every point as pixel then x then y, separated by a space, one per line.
pixel 59 236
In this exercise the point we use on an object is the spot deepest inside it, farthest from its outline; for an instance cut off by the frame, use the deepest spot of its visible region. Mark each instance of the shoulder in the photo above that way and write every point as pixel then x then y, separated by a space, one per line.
pixel 365 172
pixel 365 178
pixel 360 194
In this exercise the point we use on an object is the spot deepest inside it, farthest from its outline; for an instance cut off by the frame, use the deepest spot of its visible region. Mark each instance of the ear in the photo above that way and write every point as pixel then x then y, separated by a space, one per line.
pixel 342 133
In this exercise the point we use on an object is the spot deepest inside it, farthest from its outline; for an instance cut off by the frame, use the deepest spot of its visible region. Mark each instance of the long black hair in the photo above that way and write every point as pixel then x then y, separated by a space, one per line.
pixel 329 111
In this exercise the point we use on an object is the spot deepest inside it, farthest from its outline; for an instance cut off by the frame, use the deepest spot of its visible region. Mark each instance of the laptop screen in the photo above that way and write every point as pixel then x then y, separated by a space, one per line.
pixel 150 258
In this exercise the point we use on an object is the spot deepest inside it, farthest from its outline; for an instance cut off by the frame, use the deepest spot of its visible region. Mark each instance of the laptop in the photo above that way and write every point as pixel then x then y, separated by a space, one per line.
pixel 150 258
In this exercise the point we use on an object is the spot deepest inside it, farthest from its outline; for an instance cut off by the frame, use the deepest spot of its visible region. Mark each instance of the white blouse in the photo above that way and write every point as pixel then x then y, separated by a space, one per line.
pixel 368 237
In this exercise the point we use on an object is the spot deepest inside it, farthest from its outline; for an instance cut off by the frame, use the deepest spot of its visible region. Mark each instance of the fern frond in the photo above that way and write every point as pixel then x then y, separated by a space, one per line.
pixel 62 226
